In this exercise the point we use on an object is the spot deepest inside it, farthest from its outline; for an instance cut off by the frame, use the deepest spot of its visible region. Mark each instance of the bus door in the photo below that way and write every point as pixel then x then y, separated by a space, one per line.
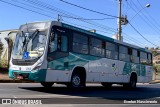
pixel 58 65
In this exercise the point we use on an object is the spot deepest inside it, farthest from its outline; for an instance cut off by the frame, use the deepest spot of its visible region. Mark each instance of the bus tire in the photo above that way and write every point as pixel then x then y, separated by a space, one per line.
pixel 76 81
pixel 132 83
pixel 107 85
pixel 47 84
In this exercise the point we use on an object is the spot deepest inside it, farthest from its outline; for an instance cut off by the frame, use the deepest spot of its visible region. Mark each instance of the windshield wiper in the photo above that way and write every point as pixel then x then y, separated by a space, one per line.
pixel 29 38
pixel 24 42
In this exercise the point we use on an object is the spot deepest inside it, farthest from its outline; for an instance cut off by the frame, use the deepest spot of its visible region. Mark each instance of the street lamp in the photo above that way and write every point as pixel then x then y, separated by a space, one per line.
pixel 147 5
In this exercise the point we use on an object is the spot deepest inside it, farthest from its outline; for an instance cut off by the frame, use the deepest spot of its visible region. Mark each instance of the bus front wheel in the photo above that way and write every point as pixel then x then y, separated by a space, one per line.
pixel 76 81
pixel 47 84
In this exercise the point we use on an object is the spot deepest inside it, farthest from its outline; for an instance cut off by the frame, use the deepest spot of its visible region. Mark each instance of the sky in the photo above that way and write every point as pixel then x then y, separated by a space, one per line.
pixel 143 28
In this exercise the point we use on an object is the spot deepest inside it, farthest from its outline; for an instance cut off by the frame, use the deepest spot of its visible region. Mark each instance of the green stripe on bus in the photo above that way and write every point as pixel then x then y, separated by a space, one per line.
pixel 130 67
pixel 72 60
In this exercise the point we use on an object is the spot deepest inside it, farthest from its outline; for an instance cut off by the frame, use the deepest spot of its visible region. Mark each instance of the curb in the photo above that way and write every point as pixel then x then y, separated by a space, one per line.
pixel 154 82
pixel 16 81
pixel 25 81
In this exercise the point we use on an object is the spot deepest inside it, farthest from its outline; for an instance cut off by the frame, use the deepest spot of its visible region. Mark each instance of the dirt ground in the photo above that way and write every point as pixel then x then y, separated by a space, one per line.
pixel 4 76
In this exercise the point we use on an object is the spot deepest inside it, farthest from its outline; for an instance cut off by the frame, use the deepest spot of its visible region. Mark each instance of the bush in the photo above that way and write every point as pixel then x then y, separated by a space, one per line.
pixel 3 63
pixel 156 68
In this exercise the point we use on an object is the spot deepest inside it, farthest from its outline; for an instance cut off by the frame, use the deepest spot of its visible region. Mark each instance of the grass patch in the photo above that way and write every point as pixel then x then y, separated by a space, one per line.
pixel 158 76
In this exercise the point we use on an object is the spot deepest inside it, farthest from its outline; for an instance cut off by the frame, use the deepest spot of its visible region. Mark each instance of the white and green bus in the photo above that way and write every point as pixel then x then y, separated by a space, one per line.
pixel 54 52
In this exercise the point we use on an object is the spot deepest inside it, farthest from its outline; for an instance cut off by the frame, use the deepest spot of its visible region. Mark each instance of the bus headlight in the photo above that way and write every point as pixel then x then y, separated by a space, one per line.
pixel 37 67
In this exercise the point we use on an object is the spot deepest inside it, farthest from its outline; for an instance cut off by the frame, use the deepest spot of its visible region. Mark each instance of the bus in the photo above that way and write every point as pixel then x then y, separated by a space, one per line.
pixel 54 52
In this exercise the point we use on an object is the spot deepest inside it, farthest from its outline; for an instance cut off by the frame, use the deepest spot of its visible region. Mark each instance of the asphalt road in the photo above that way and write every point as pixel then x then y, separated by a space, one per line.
pixel 92 94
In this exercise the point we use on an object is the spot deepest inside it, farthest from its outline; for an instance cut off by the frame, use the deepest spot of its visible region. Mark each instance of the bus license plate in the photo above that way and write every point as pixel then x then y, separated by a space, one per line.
pixel 20 77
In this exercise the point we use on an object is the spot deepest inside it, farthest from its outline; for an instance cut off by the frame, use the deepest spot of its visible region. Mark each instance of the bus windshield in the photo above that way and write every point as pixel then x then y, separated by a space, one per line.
pixel 32 43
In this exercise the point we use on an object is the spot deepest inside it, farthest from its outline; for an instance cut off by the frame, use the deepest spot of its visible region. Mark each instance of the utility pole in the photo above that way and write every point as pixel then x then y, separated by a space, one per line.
pixel 58 19
pixel 119 37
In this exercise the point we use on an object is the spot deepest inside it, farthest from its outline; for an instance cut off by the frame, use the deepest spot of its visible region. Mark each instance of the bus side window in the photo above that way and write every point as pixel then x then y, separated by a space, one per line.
pixel 143 58
pixel 64 43
pixel 53 42
pixel 135 56
pixel 149 56
pixel 130 54
pixel 123 54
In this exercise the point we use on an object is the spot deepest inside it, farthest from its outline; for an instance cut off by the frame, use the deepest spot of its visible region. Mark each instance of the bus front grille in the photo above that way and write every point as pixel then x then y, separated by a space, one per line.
pixel 24 62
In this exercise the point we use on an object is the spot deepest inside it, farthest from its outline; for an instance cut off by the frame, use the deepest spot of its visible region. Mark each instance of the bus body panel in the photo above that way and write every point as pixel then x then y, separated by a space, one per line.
pixel 98 69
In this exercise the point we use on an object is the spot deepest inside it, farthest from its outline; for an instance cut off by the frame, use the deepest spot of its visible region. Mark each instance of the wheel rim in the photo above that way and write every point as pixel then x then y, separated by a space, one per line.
pixel 76 81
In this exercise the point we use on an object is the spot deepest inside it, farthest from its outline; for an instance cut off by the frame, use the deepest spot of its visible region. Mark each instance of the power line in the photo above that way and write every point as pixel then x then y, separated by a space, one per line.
pixel 84 18
pixel 48 15
pixel 152 19
pixel 87 9
pixel 25 8
pixel 43 14
pixel 149 22
pixel 133 39
pixel 52 8
pixel 60 15
pixel 35 11
pixel 141 34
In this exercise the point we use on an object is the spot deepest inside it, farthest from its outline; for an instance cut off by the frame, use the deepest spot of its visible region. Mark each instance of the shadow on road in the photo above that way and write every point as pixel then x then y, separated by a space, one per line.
pixel 114 93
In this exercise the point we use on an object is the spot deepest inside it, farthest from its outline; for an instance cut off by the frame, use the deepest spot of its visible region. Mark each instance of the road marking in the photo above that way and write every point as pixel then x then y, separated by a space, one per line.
pixel 14 96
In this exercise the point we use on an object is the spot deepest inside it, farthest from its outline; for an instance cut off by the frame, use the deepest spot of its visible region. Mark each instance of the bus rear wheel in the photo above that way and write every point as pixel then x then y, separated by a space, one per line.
pixel 132 83
pixel 47 84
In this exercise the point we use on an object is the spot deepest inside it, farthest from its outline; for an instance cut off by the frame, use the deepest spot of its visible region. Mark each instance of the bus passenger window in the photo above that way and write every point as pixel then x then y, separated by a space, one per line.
pixel 143 57
pixel 135 56
pixel 97 47
pixel 123 54
pixel 111 50
pixel 149 59
pixel 80 43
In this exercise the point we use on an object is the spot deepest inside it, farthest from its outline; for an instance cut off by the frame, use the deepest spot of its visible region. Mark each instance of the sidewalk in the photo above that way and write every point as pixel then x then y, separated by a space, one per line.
pixel 154 81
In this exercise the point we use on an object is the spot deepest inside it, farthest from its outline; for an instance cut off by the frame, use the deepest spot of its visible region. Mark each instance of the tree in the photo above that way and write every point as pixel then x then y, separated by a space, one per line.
pixel 1 48
pixel 155 53
pixel 156 68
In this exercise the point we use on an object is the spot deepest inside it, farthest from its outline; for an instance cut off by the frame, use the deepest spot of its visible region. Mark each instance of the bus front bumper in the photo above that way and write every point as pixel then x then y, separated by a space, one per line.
pixel 36 75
